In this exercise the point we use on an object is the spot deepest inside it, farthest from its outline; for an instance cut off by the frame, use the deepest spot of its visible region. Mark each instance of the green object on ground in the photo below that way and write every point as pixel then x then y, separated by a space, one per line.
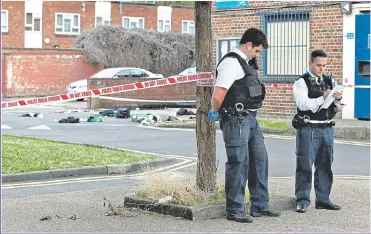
pixel 95 118
pixel 135 117
pixel 22 154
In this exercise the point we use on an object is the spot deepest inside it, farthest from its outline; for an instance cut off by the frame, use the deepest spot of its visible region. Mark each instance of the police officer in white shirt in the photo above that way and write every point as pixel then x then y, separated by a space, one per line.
pixel 314 134
pixel 238 94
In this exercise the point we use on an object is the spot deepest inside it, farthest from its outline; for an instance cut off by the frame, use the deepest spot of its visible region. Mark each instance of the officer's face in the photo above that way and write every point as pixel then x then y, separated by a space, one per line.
pixel 252 51
pixel 318 66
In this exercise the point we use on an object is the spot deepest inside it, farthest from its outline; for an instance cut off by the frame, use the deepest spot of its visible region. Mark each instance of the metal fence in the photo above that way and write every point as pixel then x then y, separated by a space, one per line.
pixel 288 34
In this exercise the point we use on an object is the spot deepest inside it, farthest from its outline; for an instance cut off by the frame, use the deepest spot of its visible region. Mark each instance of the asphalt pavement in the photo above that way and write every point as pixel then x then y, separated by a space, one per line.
pixel 350 158
pixel 24 204
pixel 23 214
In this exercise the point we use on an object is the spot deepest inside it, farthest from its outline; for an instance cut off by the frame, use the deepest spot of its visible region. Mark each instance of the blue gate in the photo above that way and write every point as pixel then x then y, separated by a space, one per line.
pixel 362 67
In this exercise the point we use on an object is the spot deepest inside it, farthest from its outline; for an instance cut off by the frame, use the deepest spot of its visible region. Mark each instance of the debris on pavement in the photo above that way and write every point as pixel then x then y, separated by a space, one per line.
pixel 147 119
pixel 95 118
pixel 49 217
pixel 123 113
pixel 70 119
pixel 109 113
pixel 165 199
pixel 30 114
pixel 184 111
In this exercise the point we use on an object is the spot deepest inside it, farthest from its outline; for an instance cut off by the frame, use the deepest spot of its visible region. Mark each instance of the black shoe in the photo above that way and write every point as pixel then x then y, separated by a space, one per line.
pixel 301 208
pixel 240 217
pixel 268 212
pixel 327 206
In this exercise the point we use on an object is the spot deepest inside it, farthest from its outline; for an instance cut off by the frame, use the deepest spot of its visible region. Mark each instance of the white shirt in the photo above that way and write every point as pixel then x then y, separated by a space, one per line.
pixel 230 70
pixel 303 102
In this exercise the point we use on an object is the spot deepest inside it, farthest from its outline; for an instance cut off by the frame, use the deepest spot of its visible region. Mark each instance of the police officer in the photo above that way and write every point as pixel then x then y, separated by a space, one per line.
pixel 314 137
pixel 238 94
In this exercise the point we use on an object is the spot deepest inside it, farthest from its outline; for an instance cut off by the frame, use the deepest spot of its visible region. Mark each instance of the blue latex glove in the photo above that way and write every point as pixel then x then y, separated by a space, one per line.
pixel 213 116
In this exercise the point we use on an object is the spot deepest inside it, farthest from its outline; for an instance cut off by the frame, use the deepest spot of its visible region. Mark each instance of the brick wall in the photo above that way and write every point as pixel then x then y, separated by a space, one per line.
pixel 326 29
pixel 178 15
pixel 87 21
pixel 15 36
pixel 42 72
pixel 186 91
pixel 148 12
pixel 16 20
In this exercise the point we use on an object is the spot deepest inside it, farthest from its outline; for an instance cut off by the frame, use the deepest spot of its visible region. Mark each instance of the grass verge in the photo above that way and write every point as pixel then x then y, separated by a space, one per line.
pixel 264 123
pixel 22 154
pixel 275 124
pixel 182 192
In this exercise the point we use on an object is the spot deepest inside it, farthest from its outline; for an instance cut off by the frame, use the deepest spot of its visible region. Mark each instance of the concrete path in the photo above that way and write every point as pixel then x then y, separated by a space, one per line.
pixel 22 214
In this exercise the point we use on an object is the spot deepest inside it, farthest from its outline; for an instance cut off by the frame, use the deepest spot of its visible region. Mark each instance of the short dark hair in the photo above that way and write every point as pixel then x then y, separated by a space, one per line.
pixel 256 37
pixel 317 53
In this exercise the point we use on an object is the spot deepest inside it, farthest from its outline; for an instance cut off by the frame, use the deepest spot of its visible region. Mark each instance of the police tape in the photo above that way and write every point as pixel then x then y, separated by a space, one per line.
pixel 111 90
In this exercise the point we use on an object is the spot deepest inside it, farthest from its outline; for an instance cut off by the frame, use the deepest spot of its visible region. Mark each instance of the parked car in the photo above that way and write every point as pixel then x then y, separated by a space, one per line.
pixel 189 71
pixel 111 73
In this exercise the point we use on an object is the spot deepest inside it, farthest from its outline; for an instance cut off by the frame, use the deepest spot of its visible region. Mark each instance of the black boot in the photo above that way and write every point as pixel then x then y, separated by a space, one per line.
pixel 327 206
pixel 240 217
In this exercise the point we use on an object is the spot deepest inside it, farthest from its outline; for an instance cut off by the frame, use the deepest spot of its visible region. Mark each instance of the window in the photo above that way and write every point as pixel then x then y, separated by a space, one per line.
pixel 164 26
pixel 102 21
pixel 132 22
pixel 4 20
pixel 67 23
pixel 225 45
pixel 131 73
pixel 123 73
pixel 288 38
pixel 138 73
pixel 188 26
pixel 33 22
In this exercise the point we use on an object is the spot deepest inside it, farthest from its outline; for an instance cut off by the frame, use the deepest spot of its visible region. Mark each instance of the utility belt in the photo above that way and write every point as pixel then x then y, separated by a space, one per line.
pixel 237 110
pixel 302 121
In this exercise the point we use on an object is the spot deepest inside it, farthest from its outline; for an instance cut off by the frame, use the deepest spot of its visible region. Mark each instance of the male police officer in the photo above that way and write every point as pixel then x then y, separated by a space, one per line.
pixel 237 96
pixel 314 137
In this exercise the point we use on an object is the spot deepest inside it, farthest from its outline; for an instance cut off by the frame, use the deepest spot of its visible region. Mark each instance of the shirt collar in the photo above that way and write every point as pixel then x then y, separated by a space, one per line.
pixel 240 53
pixel 311 74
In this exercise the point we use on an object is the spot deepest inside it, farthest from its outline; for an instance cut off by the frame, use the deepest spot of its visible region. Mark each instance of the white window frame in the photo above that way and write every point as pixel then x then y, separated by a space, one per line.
pixel 165 22
pixel 189 23
pixel 71 16
pixel 104 20
pixel 6 24
pixel 133 19
pixel 32 25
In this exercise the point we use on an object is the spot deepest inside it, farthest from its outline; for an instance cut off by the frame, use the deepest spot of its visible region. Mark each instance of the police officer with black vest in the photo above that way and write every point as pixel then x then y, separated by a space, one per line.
pixel 238 94
pixel 314 134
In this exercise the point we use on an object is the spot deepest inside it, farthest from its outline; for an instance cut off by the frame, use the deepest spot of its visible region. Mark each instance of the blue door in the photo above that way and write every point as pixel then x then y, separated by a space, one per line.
pixel 362 67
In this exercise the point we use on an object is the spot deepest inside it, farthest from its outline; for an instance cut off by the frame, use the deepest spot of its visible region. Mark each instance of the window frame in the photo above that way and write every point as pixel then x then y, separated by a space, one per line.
pixel 188 24
pixel 71 16
pixel 230 44
pixel 301 16
pixel 32 25
pixel 104 19
pixel 132 18
pixel 7 21
pixel 164 24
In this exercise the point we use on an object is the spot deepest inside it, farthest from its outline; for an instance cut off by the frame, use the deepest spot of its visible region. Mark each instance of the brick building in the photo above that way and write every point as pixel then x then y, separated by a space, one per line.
pixel 49 24
pixel 294 29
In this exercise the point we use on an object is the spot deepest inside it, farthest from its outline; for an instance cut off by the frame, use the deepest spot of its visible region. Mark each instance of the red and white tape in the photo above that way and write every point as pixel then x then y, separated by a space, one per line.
pixel 110 90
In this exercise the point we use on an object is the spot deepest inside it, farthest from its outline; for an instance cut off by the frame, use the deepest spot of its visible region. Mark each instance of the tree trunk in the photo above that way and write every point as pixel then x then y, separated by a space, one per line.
pixel 205 131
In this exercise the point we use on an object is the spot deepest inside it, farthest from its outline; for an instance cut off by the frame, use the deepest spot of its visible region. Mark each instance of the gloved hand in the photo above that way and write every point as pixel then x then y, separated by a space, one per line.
pixel 213 116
